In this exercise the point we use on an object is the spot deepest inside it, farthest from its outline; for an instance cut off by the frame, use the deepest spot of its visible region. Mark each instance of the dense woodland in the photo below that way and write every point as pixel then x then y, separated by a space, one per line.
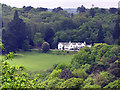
pixel 95 67
pixel 29 27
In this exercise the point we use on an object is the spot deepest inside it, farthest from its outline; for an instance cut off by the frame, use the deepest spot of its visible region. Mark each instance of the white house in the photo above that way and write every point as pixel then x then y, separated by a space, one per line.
pixel 71 45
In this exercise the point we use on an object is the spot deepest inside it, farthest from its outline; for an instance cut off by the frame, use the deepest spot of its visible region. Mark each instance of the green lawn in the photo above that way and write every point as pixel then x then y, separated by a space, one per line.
pixel 34 61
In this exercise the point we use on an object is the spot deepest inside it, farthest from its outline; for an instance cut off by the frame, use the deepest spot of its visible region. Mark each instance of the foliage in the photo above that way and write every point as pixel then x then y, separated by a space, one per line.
pixel 65 74
pixel 14 76
pixel 100 36
pixel 61 66
pixel 15 35
pixel 26 45
pixel 45 47
pixel 55 73
pixel 72 83
pixel 55 24
pixel 38 40
pixel 89 82
pixel 92 86
pixel 52 83
pixel 104 78
pixel 114 84
pixel 86 67
pixel 84 56
pixel 80 73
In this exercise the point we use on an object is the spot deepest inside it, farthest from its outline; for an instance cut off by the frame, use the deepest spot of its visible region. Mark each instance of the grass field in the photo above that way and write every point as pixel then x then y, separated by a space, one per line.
pixel 34 61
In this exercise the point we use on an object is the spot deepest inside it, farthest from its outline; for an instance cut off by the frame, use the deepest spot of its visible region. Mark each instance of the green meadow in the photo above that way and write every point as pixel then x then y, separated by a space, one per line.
pixel 35 61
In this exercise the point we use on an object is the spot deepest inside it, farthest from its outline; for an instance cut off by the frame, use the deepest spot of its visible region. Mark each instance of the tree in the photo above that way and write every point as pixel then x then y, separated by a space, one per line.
pixel 45 47
pixel 38 40
pixel 48 37
pixel 113 10
pixel 92 12
pixel 16 34
pixel 57 9
pixel 41 9
pixel 81 9
pixel 116 31
pixel 100 35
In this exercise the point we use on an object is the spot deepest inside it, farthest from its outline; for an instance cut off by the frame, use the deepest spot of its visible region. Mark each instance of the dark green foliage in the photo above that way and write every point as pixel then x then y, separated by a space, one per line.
pixel 45 47
pixel 41 9
pixel 92 12
pixel 100 36
pixel 113 10
pixel 38 39
pixel 65 74
pixel 15 35
pixel 26 45
pixel 81 9
pixel 116 31
pixel 28 8
pixel 57 9
pixel 54 27
pixel 48 37
pixel 115 68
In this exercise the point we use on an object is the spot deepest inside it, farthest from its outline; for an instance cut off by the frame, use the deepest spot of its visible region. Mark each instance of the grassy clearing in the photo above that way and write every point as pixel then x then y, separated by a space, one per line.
pixel 34 61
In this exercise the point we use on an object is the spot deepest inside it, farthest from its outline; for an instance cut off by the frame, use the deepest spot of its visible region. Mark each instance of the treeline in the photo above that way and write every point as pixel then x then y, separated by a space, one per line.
pixel 33 26
pixel 95 67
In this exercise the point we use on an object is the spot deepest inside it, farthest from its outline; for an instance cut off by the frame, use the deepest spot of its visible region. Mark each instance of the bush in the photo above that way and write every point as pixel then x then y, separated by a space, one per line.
pixel 92 86
pixel 115 84
pixel 79 73
pixel 52 83
pixel 55 73
pixel 45 47
pixel 61 66
pixel 84 56
pixel 90 83
pixel 15 77
pixel 86 68
pixel 72 83
pixel 104 78
pixel 65 74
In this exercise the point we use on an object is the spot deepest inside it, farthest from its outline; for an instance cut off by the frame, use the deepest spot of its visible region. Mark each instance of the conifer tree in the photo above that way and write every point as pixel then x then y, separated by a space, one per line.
pixel 100 36
pixel 16 34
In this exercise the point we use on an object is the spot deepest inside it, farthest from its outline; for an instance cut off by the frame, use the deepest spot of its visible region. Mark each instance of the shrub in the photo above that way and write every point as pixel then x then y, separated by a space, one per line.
pixel 45 46
pixel 90 83
pixel 52 83
pixel 61 66
pixel 72 83
pixel 55 73
pixel 65 74
pixel 79 73
pixel 92 86
pixel 86 68
pixel 15 77
pixel 84 56
pixel 103 78
pixel 115 84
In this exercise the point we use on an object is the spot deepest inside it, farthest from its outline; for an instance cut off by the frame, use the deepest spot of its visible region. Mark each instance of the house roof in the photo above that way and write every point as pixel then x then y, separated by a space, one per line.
pixel 68 43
